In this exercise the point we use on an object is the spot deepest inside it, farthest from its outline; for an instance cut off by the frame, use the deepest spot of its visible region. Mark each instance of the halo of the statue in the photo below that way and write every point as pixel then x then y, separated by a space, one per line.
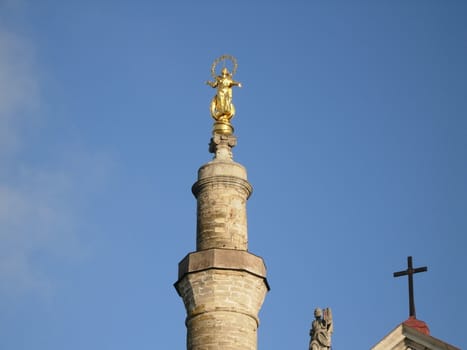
pixel 223 58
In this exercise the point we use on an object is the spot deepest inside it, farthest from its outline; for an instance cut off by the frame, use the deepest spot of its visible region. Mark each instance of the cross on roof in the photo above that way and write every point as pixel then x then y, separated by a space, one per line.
pixel 409 272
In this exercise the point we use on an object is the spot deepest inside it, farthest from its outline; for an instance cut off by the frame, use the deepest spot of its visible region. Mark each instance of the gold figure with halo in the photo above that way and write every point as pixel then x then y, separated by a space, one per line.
pixel 222 108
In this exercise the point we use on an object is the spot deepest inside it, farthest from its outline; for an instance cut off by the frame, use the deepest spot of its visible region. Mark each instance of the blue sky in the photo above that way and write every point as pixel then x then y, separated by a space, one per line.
pixel 351 122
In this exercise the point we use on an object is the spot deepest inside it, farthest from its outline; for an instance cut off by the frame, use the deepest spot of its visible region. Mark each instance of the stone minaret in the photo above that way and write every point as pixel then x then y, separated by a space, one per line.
pixel 222 285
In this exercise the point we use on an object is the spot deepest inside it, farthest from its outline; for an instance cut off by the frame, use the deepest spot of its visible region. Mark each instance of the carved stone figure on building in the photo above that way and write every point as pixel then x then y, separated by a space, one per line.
pixel 321 330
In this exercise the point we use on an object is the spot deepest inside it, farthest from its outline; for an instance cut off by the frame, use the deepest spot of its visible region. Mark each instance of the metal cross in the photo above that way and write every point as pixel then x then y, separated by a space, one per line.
pixel 409 272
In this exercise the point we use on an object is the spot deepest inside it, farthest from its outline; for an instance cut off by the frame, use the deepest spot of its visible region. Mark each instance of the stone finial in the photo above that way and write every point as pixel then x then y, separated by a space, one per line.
pixel 321 330
pixel 221 146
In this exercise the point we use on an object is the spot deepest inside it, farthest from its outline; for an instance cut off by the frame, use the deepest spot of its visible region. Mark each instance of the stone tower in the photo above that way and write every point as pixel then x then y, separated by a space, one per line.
pixel 222 285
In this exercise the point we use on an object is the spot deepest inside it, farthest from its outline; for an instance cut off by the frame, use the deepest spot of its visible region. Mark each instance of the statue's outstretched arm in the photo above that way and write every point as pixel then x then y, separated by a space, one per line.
pixel 212 84
pixel 236 83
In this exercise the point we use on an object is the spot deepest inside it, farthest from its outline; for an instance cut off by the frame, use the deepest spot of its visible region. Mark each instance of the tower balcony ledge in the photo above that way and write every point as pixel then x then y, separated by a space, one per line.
pixel 222 259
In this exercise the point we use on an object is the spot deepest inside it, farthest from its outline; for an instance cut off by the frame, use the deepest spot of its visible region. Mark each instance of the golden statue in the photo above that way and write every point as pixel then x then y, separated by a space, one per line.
pixel 222 108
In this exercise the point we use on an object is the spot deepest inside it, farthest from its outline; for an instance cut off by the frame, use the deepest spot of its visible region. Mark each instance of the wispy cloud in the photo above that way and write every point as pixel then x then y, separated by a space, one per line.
pixel 38 211
pixel 31 222
pixel 18 86
pixel 29 217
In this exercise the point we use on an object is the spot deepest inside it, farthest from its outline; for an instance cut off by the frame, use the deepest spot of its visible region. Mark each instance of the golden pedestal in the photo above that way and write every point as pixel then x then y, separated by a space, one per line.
pixel 222 128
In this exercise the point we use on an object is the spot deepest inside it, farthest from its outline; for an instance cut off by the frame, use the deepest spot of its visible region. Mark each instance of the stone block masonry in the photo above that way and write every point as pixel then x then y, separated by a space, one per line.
pixel 222 285
pixel 222 308
pixel 222 191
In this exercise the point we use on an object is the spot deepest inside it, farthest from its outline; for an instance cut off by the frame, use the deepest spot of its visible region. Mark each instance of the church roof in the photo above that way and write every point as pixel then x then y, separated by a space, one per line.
pixel 412 334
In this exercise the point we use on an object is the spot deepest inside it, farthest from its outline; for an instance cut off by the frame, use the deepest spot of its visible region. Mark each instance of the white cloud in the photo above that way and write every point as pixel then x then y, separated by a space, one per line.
pixel 38 204
pixel 22 214
pixel 36 218
pixel 18 86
